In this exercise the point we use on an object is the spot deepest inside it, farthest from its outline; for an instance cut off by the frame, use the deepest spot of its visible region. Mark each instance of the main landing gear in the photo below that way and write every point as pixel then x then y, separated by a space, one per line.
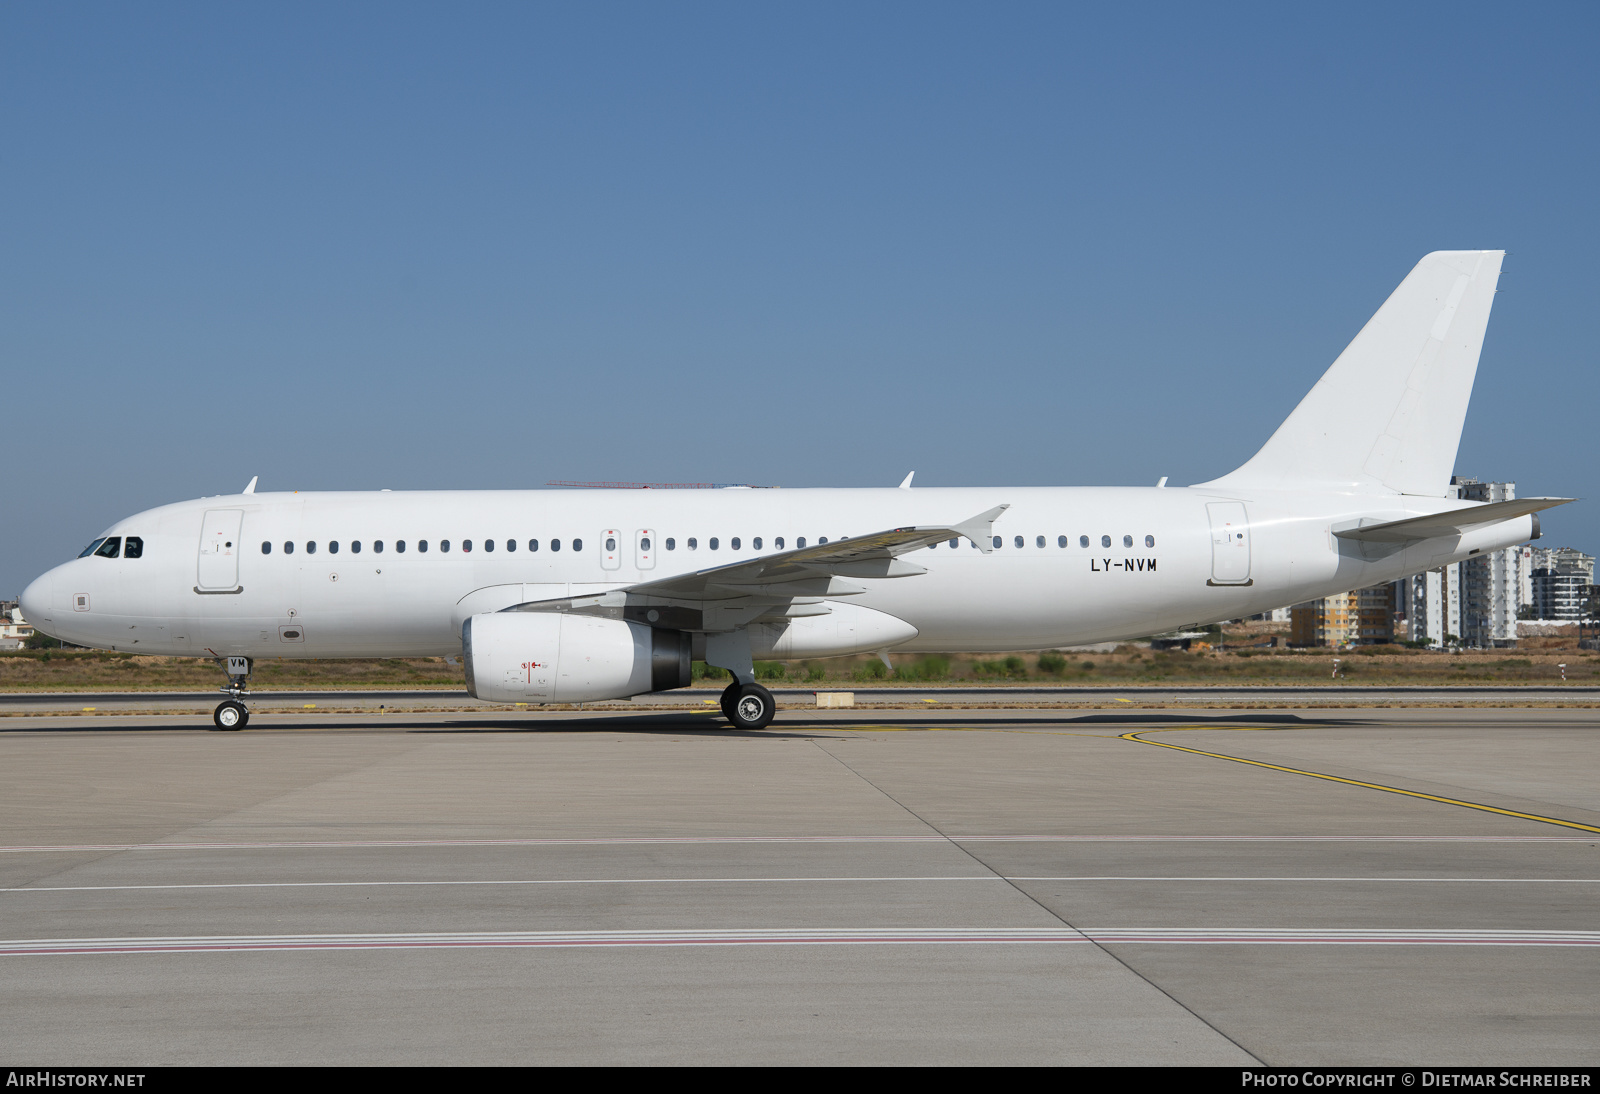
pixel 231 713
pixel 748 706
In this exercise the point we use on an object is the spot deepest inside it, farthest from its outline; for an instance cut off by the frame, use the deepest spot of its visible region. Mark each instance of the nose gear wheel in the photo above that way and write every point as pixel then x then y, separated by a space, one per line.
pixel 231 714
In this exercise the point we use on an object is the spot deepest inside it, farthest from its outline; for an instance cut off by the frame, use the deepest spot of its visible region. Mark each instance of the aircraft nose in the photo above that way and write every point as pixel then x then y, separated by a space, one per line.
pixel 36 599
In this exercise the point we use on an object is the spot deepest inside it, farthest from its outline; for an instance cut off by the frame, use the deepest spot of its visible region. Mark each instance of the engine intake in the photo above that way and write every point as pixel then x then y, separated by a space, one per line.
pixel 554 657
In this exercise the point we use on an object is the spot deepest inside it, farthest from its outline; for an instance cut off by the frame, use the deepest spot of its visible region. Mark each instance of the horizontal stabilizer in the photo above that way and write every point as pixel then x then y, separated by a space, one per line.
pixel 1452 523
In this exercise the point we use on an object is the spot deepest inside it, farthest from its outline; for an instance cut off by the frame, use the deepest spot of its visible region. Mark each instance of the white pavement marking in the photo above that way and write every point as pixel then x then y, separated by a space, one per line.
pixel 620 841
pixel 859 937
pixel 498 939
pixel 778 881
pixel 1401 880
pixel 1267 937
pixel 533 881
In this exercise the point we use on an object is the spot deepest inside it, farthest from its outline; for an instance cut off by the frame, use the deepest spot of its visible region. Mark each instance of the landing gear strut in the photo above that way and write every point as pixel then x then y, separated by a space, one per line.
pixel 231 713
pixel 748 706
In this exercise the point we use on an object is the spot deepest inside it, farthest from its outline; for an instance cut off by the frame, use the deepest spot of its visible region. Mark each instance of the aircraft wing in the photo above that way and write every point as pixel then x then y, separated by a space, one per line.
pixel 1452 523
pixel 773 586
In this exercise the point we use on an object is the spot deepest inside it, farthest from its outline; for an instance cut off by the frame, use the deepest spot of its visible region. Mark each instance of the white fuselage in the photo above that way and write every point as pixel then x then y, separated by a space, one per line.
pixel 1170 562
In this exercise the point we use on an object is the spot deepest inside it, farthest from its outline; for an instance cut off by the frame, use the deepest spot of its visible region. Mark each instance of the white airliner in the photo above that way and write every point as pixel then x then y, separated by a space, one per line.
pixel 573 596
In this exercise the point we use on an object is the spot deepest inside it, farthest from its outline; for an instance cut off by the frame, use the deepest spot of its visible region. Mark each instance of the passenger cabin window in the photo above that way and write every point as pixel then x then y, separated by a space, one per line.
pixel 778 543
pixel 89 550
pixel 399 546
pixel 555 545
pixel 1061 541
pixel 311 546
pixel 1127 541
pixel 444 545
pixel 733 544
pixel 693 543
pixel 1017 542
pixel 1149 541
pixel 466 546
pixel 714 543
pixel 822 539
pixel 1083 541
pixel 756 543
pixel 111 548
pixel 377 546
pixel 333 547
pixel 998 541
pixel 611 544
pixel 266 547
pixel 1039 541
pixel 288 546
pixel 577 545
pixel 533 545
pixel 511 545
pixel 1105 541
pixel 672 544
pixel 133 547
pixel 355 546
pixel 800 542
pixel 644 543
pixel 422 546
pixel 488 545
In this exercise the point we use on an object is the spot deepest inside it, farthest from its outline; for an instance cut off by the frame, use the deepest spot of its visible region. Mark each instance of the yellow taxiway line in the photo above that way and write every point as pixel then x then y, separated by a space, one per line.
pixel 1135 736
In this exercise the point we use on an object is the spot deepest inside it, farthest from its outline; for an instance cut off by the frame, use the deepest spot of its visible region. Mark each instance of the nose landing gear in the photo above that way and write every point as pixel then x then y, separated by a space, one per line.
pixel 231 713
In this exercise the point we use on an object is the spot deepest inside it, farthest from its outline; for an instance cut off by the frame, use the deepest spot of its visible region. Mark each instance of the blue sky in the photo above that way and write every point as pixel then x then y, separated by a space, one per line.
pixel 355 246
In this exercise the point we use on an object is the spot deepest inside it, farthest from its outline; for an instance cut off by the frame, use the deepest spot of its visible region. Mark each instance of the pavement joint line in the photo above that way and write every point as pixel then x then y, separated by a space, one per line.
pixel 626 841
pixel 1136 736
pixel 1041 905
pixel 777 880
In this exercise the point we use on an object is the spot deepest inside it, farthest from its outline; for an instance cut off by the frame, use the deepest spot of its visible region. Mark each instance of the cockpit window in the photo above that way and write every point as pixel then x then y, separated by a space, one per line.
pixel 133 547
pixel 110 548
pixel 89 550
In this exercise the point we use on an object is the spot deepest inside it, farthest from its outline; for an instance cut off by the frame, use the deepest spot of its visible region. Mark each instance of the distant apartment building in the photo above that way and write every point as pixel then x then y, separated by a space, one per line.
pixel 1557 583
pixel 1563 560
pixel 1428 606
pixel 1559 596
pixel 1491 584
pixel 1358 617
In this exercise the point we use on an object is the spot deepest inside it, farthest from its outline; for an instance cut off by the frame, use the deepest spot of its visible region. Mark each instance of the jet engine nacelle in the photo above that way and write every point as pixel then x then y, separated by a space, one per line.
pixel 553 657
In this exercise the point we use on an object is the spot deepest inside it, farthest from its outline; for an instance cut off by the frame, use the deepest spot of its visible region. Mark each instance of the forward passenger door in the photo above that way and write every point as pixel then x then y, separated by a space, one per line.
pixel 218 570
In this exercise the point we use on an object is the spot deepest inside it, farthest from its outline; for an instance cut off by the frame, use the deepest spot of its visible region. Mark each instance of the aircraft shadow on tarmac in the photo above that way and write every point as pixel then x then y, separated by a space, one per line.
pixel 711 725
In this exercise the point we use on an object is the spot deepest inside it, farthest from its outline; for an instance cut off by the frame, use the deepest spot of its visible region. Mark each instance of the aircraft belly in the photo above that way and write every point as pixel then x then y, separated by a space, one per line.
pixel 1039 602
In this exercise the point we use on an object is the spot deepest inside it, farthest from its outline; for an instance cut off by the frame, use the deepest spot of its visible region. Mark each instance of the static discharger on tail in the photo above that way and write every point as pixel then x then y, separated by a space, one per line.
pixel 561 596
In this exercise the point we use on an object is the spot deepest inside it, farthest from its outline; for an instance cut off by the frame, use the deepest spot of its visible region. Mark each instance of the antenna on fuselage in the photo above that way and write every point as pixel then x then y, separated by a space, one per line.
pixel 251 489
pixel 906 485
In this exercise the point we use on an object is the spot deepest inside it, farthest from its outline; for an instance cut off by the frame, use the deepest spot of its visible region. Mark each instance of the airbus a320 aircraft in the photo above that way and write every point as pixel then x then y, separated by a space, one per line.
pixel 574 596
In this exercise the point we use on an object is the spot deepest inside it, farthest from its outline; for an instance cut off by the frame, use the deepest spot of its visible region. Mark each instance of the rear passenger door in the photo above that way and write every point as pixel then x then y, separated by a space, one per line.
pixel 1230 543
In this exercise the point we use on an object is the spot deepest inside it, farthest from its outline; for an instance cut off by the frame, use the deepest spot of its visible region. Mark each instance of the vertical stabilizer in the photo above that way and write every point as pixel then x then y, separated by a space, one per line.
pixel 1386 417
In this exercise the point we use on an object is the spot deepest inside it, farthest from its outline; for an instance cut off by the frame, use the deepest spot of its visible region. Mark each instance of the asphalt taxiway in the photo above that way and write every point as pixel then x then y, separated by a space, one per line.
pixel 991 886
